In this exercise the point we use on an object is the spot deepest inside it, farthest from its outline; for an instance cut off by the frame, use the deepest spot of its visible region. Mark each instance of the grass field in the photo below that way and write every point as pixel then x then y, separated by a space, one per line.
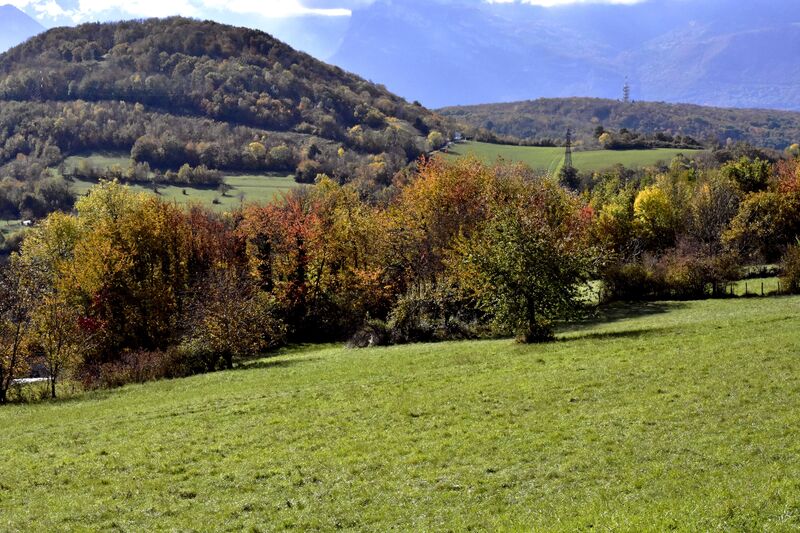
pixel 246 188
pixel 99 160
pixel 9 227
pixel 551 159
pixel 654 417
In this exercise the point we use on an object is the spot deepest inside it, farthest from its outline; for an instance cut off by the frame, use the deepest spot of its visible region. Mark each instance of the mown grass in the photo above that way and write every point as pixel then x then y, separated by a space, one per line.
pixel 551 159
pixel 245 188
pixel 652 417
pixel 9 227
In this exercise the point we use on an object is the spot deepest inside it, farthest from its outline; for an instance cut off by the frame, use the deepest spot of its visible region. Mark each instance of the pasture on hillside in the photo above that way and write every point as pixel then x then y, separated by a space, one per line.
pixel 671 415
pixel 245 188
pixel 9 227
pixel 551 159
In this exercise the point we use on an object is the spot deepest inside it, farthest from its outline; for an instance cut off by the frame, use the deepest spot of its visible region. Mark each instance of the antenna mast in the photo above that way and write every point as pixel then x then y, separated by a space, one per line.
pixel 626 91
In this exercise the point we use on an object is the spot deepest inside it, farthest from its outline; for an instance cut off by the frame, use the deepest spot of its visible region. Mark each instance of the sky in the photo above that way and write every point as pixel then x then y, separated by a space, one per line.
pixel 314 26
pixel 58 12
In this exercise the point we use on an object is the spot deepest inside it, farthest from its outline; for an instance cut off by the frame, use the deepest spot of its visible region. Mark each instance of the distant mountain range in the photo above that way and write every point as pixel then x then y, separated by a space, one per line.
pixel 450 52
pixel 726 53
pixel 15 27
pixel 549 118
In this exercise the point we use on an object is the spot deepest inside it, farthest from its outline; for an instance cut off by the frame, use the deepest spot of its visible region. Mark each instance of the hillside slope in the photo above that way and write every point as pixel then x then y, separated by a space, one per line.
pixel 638 419
pixel 459 52
pixel 175 91
pixel 550 118
pixel 15 27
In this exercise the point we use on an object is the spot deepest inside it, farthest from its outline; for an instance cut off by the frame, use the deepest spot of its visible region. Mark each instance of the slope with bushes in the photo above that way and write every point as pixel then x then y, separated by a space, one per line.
pixel 549 118
pixel 178 91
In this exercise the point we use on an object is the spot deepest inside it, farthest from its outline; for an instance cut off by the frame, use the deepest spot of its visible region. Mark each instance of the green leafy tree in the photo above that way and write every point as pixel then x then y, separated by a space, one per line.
pixel 527 262
pixel 752 175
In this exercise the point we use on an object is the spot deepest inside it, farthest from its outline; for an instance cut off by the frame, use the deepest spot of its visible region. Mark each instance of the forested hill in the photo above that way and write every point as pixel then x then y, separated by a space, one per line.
pixel 176 91
pixel 550 117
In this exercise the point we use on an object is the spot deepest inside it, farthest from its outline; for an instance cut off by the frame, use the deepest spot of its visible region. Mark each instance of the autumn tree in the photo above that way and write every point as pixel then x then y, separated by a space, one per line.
pixel 232 319
pixel 19 292
pixel 751 175
pixel 59 335
pixel 527 261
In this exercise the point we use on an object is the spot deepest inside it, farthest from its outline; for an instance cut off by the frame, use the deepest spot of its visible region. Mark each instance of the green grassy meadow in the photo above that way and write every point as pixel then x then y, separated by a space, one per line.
pixel 652 417
pixel 551 159
pixel 246 188
pixel 9 227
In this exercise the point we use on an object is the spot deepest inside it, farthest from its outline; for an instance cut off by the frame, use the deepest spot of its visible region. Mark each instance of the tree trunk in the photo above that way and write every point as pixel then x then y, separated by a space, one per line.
pixel 535 330
pixel 53 387
pixel 535 333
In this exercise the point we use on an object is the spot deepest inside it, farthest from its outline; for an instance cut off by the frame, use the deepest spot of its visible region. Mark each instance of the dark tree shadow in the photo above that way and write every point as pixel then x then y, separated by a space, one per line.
pixel 608 335
pixel 615 312
pixel 272 363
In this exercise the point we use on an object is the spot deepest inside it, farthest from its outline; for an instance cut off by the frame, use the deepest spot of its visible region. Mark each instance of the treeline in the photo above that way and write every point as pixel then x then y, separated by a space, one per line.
pixel 630 140
pixel 143 289
pixel 687 231
pixel 549 118
pixel 138 289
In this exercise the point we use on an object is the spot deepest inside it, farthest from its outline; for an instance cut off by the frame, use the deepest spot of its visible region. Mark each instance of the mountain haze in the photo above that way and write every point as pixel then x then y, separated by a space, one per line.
pixel 15 27
pixel 454 52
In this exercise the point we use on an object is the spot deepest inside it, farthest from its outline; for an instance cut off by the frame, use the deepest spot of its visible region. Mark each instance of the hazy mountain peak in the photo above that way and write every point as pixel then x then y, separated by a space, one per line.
pixel 15 27
pixel 447 52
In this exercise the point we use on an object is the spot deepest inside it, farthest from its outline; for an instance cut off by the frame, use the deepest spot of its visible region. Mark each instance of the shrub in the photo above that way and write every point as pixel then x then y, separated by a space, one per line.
pixel 791 269
pixel 434 312
pixel 678 273
pixel 372 333
pixel 137 366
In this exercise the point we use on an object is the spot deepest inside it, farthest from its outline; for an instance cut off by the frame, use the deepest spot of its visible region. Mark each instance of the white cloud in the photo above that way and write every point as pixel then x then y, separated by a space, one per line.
pixel 555 3
pixel 76 11
pixel 88 10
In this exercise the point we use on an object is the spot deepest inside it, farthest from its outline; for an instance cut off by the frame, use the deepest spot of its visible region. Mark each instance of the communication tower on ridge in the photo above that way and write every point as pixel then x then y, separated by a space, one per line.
pixel 626 91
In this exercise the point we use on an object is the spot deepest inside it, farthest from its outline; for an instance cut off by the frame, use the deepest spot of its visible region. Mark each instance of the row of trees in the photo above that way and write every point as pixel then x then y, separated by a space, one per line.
pixel 460 250
pixel 36 137
pixel 461 247
pixel 686 230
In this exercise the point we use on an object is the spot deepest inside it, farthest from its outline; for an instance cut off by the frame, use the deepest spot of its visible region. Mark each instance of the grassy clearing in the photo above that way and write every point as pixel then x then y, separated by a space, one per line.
pixel 659 416
pixel 246 188
pixel 9 227
pixel 755 286
pixel 99 160
pixel 551 159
